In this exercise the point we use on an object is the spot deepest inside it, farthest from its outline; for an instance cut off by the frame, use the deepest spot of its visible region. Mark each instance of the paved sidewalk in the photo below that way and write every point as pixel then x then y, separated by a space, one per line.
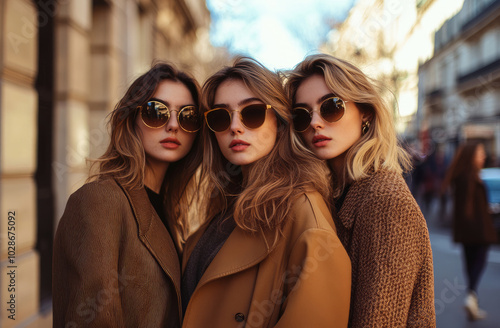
pixel 450 286
pixel 450 282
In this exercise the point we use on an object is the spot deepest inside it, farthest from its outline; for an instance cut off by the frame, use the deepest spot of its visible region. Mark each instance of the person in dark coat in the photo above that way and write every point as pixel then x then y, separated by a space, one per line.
pixel 472 222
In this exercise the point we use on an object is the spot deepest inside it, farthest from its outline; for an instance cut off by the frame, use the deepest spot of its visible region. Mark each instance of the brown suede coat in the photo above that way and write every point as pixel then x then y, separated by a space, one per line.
pixel 386 237
pixel 304 281
pixel 115 264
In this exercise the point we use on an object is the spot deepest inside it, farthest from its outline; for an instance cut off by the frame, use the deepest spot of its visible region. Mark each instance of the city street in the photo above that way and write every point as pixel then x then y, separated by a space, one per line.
pixel 450 283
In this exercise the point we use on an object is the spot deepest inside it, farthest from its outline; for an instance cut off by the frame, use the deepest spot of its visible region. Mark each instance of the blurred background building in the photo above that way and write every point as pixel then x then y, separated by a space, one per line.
pixel 63 66
pixel 459 86
pixel 388 39
pixel 438 65
pixel 437 62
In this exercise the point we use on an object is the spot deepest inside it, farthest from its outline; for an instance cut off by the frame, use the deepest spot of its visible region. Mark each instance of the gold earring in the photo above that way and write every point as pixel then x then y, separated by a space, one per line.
pixel 365 127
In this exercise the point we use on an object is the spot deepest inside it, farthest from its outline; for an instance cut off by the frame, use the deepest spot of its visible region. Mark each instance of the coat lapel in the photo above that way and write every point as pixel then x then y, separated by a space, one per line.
pixel 154 235
pixel 240 251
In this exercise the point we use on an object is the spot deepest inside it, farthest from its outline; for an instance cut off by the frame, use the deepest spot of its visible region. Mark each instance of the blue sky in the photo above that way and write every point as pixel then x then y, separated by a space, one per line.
pixel 278 33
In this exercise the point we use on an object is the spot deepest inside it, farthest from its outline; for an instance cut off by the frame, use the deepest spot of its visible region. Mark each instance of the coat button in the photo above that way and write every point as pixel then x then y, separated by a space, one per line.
pixel 239 317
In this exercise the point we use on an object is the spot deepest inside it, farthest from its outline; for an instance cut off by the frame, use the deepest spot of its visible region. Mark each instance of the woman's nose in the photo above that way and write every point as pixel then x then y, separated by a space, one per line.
pixel 317 121
pixel 173 124
pixel 236 126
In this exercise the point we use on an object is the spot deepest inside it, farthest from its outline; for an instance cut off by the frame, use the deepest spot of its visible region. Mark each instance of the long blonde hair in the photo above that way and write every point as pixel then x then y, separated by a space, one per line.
pixel 125 158
pixel 261 201
pixel 379 147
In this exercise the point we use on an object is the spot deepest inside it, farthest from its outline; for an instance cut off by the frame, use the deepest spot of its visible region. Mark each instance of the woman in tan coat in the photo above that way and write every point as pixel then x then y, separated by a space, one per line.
pixel 344 121
pixel 268 256
pixel 117 247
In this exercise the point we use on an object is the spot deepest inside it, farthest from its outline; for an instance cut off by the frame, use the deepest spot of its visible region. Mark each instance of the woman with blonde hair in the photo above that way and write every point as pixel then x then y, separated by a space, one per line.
pixel 472 222
pixel 343 120
pixel 118 244
pixel 268 256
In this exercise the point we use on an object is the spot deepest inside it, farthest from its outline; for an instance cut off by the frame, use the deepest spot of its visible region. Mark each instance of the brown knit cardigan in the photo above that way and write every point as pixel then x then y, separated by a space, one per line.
pixel 386 237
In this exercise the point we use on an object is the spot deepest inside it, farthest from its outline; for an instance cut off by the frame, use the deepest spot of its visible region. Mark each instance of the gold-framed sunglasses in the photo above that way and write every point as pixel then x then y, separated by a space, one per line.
pixel 155 114
pixel 251 116
pixel 331 110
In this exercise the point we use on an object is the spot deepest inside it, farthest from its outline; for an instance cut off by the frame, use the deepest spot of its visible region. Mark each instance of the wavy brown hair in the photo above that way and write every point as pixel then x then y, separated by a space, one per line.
pixel 261 201
pixel 125 158
pixel 379 147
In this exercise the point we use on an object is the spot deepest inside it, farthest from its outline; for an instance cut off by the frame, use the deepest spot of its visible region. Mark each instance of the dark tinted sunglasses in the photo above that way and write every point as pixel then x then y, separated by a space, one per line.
pixel 331 110
pixel 251 116
pixel 156 114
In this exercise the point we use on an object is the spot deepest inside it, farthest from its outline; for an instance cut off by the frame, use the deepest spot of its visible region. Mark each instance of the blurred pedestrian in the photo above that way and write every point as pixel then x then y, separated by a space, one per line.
pixel 343 119
pixel 472 222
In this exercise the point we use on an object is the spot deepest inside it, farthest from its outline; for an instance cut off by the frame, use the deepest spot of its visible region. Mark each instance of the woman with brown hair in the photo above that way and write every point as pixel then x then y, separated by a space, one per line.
pixel 268 256
pixel 344 121
pixel 472 225
pixel 118 244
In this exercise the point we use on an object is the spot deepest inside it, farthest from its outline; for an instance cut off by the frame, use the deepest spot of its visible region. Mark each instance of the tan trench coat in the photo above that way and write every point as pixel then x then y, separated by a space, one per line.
pixel 115 264
pixel 304 281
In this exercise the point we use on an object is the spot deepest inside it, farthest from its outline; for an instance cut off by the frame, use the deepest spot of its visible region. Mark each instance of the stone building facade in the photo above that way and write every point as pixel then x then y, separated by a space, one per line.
pixel 459 87
pixel 63 66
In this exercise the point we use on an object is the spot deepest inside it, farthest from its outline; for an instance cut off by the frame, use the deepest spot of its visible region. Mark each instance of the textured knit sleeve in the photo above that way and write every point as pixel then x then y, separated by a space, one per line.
pixel 86 254
pixel 394 286
pixel 317 281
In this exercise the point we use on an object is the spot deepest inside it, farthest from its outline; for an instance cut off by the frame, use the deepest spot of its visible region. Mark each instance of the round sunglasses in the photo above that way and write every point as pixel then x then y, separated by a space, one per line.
pixel 331 110
pixel 156 114
pixel 251 116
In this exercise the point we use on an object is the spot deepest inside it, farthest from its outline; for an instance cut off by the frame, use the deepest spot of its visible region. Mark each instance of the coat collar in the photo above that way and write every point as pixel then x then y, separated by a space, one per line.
pixel 357 193
pixel 240 251
pixel 154 235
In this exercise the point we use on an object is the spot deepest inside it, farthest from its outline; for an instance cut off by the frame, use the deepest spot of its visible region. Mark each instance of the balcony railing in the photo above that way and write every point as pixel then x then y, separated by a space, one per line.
pixel 480 72
pixel 479 18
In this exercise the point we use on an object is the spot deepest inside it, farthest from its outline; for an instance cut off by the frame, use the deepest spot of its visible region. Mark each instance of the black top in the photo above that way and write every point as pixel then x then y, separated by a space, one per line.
pixel 203 254
pixel 340 201
pixel 157 202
